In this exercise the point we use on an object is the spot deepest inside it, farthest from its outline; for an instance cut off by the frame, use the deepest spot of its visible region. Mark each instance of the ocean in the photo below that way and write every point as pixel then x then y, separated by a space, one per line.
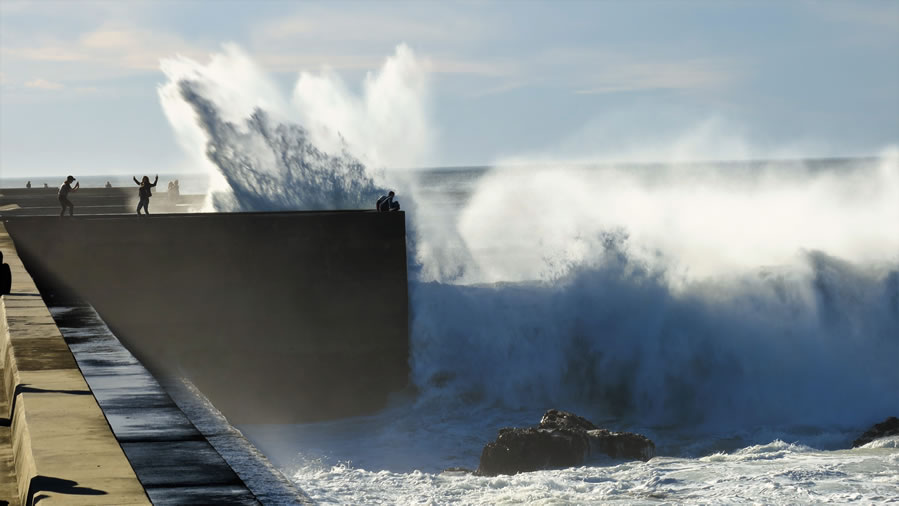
pixel 742 315
pixel 189 183
pixel 752 377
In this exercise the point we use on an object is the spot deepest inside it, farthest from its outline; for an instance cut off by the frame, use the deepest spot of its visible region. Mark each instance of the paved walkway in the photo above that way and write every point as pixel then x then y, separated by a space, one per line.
pixel 174 461
pixel 54 436
pixel 9 492
pixel 82 422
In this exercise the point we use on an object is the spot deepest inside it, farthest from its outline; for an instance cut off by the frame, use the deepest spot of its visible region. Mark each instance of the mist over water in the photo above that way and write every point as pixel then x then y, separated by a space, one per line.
pixel 702 295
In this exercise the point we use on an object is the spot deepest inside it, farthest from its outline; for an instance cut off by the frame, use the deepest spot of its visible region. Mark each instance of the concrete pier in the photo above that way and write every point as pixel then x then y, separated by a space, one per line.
pixel 55 444
pixel 43 201
pixel 83 422
pixel 276 317
pixel 176 461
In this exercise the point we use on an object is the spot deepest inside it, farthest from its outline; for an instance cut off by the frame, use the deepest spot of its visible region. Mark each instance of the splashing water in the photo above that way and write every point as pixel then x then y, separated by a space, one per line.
pixel 670 294
pixel 716 307
pixel 271 166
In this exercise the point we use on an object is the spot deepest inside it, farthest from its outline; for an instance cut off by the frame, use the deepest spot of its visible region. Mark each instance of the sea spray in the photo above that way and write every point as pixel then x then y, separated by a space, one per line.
pixel 769 347
pixel 716 295
pixel 272 166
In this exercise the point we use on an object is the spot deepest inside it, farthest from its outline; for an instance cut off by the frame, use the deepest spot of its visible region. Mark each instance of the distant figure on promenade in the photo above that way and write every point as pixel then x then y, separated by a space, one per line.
pixel 174 191
pixel 144 193
pixel 63 195
pixel 45 185
pixel 28 185
pixel 386 204
pixel 5 277
pixel 108 184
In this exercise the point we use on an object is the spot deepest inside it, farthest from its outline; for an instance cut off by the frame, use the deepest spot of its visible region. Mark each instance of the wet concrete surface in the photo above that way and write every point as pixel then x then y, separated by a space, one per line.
pixel 173 460
pixel 9 492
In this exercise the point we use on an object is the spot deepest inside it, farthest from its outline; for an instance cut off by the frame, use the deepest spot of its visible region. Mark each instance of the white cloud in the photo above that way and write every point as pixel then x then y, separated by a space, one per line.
pixel 104 52
pixel 686 75
pixel 43 84
pixel 357 38
pixel 433 24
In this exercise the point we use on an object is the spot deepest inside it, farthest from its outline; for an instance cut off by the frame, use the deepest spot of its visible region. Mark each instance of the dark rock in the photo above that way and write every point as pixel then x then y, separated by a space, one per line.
pixel 621 445
pixel 555 419
pixel 521 450
pixel 561 440
pixel 886 428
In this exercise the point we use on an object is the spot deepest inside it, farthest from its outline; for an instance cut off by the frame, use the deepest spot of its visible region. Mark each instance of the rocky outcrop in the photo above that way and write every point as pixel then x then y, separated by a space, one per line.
pixel 886 428
pixel 621 445
pixel 562 439
pixel 556 419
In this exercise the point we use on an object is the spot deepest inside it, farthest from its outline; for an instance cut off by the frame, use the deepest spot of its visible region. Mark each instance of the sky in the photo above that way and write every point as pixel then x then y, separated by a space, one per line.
pixel 79 79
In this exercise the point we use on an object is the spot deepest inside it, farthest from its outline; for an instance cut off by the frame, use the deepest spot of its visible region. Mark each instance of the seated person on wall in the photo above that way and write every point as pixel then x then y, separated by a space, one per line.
pixel 386 204
pixel 5 277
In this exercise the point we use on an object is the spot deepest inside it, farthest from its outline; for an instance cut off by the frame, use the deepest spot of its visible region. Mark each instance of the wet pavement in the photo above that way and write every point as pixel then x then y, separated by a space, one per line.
pixel 173 460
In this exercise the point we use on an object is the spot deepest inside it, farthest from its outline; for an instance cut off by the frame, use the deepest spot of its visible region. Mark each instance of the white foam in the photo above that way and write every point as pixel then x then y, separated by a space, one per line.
pixel 796 477
pixel 720 298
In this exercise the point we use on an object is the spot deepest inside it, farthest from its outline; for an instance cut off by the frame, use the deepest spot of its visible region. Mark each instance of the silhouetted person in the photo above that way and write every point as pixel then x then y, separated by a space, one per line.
pixel 63 195
pixel 173 190
pixel 28 185
pixel 108 184
pixel 144 193
pixel 386 204
pixel 5 277
pixel 45 185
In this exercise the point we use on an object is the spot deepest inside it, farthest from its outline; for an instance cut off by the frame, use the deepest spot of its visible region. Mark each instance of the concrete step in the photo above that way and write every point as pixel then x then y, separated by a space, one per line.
pixel 9 492
pixel 63 450
pixel 174 461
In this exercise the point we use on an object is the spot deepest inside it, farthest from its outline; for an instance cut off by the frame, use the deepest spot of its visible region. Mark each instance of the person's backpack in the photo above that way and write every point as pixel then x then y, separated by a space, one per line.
pixel 382 205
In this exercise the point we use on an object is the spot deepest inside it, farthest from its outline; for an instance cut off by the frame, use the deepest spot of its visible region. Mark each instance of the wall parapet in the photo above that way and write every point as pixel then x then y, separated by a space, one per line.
pixel 63 448
pixel 276 317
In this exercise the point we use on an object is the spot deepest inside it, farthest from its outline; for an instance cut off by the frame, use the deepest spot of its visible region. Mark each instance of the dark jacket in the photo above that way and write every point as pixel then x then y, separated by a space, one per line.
pixel 64 190
pixel 5 279
pixel 144 191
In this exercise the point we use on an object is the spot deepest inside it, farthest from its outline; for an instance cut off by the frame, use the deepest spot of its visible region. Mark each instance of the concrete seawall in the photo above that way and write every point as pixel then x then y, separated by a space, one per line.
pixel 276 317
pixel 43 201
pixel 56 446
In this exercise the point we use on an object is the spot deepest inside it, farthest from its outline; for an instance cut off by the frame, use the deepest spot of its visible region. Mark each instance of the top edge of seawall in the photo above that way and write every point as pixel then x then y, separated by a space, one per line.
pixel 191 216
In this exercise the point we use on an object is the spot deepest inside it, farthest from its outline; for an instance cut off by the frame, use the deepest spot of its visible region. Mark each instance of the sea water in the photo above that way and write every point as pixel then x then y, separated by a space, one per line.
pixel 752 380
pixel 752 383
pixel 743 315
pixel 189 183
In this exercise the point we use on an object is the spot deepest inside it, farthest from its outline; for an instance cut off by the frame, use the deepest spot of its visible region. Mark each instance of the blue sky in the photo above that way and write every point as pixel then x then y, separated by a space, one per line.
pixel 78 80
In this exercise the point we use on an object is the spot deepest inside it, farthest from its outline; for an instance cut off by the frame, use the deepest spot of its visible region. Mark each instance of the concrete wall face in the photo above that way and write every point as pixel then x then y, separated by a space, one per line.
pixel 276 317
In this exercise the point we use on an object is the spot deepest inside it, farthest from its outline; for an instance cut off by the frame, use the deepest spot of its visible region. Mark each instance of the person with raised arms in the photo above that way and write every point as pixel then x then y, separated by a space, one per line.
pixel 63 195
pixel 144 193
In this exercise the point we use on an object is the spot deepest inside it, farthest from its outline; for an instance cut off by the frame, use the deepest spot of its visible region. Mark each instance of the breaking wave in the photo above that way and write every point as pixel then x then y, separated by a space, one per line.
pixel 610 323
pixel 271 166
